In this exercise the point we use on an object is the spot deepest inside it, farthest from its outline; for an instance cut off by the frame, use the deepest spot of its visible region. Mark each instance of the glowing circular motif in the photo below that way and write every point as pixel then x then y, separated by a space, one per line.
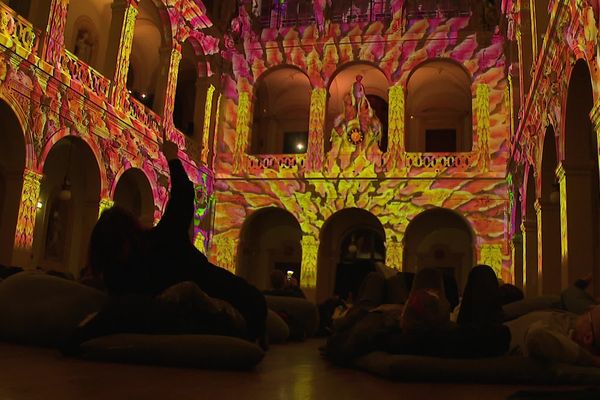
pixel 353 133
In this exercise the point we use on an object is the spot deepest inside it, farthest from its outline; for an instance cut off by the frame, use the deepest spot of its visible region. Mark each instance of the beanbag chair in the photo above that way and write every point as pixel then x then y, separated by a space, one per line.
pixel 518 308
pixel 198 351
pixel 277 328
pixel 302 313
pixel 43 310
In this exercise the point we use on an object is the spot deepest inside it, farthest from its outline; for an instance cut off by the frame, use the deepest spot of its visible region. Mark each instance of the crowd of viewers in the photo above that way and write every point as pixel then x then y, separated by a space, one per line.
pixel 420 314
pixel 159 282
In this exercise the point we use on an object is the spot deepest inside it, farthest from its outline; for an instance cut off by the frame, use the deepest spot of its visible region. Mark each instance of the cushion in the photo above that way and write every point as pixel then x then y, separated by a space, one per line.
pixel 525 306
pixel 507 369
pixel 300 310
pixel 40 309
pixel 198 351
pixel 277 328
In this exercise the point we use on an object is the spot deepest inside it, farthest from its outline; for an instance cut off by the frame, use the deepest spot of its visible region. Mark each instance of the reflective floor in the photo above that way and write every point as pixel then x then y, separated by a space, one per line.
pixel 290 371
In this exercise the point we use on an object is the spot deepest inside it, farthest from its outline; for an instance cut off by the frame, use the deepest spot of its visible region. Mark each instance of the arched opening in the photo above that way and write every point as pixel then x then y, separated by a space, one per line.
pixel 70 195
pixel 352 241
pixel 349 86
pixel 133 193
pixel 579 184
pixel 270 239
pixel 281 112
pixel 439 108
pixel 530 238
pixel 87 30
pixel 439 238
pixel 150 56
pixel 190 96
pixel 549 219
pixel 12 164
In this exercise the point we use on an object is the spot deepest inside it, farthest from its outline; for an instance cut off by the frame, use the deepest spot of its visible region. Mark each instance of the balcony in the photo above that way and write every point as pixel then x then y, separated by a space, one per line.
pixel 85 76
pixel 277 162
pixel 418 9
pixel 361 11
pixel 17 33
pixel 439 161
pixel 290 13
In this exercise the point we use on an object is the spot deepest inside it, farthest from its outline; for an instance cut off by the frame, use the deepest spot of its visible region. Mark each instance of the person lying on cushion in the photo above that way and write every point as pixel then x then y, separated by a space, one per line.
pixel 132 260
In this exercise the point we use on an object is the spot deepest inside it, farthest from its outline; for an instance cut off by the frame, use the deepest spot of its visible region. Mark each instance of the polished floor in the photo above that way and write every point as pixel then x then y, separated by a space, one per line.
pixel 291 371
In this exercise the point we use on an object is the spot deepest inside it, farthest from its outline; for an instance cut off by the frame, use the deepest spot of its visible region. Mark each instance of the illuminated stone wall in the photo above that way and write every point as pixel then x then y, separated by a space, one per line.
pixel 395 186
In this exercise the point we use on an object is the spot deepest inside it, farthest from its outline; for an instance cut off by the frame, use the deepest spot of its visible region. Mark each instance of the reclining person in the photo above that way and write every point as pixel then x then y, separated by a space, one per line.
pixel 143 263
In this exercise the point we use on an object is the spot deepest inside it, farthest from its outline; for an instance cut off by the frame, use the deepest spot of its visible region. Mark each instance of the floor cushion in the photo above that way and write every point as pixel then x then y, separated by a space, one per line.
pixel 277 328
pixel 40 309
pixel 301 311
pixel 518 308
pixel 507 369
pixel 198 351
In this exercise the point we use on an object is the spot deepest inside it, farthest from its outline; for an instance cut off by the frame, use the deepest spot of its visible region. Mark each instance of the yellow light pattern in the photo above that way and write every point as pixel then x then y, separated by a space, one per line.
pixel 394 252
pixel 27 211
pixel 199 242
pixel 483 125
pixel 310 248
pixel 207 117
pixel 104 205
pixel 122 68
pixel 491 254
pixel 242 130
pixel 217 125
pixel 225 249
pixel 318 101
pixel 395 150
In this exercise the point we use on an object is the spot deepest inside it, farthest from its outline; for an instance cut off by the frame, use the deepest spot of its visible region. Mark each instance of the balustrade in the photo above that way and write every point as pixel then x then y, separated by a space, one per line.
pixel 438 160
pixel 276 161
pixel 20 31
pixel 143 114
pixel 79 71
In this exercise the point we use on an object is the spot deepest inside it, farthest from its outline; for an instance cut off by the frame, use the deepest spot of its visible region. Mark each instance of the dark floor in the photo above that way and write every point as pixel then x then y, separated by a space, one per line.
pixel 290 371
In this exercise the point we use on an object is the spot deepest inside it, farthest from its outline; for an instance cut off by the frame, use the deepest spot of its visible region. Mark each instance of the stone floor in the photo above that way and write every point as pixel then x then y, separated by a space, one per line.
pixel 291 371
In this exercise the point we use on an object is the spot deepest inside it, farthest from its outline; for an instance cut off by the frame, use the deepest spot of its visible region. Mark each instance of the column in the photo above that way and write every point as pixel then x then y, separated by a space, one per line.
pixel 206 94
pixel 394 252
pixel 395 151
pixel 120 39
pixel 225 252
pixel 308 276
pixel 525 50
pixel 242 132
pixel 578 233
pixel 166 84
pixel 548 222
pixel 516 245
pixel 30 196
pixel 530 255
pixel 105 204
pixel 55 34
pixel 315 151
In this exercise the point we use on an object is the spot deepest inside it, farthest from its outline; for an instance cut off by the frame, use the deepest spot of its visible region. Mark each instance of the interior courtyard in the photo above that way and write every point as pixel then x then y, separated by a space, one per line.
pixel 323 138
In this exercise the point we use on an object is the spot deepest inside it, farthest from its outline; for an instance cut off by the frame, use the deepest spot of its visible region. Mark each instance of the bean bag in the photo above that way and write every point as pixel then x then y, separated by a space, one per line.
pixel 518 308
pixel 198 351
pixel 506 369
pixel 303 314
pixel 277 328
pixel 43 310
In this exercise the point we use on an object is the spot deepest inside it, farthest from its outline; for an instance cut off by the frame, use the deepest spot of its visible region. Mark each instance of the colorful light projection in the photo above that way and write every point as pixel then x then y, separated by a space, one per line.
pixel 396 185
pixel 76 100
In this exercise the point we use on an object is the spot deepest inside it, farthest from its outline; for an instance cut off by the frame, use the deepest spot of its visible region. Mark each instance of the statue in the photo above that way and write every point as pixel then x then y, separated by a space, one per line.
pixel 84 46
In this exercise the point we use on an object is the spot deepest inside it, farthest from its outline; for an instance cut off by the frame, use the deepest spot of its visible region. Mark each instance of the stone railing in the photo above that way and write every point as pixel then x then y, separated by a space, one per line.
pixel 276 161
pixel 438 160
pixel 437 8
pixel 18 30
pixel 87 76
pixel 143 114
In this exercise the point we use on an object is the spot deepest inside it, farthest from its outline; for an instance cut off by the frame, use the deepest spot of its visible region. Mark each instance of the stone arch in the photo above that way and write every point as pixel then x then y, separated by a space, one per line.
pixel 13 159
pixel 69 195
pixel 270 238
pixel 281 91
pixel 579 182
pixel 438 107
pixel 132 191
pixel 334 272
pixel 440 238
